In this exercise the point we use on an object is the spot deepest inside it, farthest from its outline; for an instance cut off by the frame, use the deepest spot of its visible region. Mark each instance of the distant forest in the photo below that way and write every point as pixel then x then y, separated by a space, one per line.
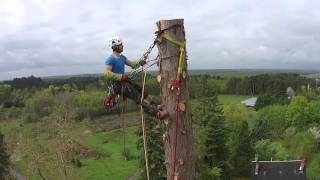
pixel 273 84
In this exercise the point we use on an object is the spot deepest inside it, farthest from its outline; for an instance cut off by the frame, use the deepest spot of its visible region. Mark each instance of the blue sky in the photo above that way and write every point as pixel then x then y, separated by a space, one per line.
pixel 57 37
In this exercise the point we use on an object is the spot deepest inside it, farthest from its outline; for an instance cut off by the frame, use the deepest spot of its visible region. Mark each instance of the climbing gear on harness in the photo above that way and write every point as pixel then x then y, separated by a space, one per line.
pixel 124 77
pixel 110 100
pixel 109 103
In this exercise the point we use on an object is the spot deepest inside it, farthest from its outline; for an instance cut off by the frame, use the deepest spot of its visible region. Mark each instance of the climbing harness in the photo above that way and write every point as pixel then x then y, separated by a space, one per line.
pixel 110 100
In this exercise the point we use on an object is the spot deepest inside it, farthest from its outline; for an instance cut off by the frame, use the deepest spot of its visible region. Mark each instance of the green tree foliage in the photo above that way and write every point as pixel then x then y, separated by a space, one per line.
pixel 157 169
pixel 241 151
pixel 262 129
pixel 267 100
pixel 267 150
pixel 301 145
pixel 265 84
pixel 26 83
pixel 40 105
pixel 210 140
pixel 275 117
pixel 309 92
pixel 204 86
pixel 313 112
pixel 88 104
pixel 4 157
pixel 14 97
pixel 235 114
pixel 78 83
pixel 216 151
pixel 296 114
pixel 4 92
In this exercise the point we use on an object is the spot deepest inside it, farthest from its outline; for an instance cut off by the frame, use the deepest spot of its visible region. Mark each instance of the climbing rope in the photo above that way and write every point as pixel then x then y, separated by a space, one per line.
pixel 143 126
pixel 146 54
pixel 176 86
pixel 124 129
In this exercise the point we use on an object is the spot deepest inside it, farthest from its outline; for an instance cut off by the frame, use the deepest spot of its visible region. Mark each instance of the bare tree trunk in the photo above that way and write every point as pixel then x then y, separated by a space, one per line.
pixel 169 55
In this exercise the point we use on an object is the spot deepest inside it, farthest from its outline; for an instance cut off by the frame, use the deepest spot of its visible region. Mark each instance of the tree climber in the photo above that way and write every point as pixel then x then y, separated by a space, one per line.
pixel 120 84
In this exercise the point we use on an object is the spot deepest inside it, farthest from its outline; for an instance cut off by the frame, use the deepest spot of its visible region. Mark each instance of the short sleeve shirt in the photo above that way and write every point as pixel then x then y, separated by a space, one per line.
pixel 117 63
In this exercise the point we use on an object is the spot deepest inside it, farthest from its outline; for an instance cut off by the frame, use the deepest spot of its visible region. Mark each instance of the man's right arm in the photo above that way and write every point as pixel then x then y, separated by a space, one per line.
pixel 109 75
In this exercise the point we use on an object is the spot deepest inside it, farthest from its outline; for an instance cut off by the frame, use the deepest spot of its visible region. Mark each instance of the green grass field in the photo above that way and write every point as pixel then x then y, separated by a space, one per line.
pixel 232 99
pixel 110 165
pixel 31 140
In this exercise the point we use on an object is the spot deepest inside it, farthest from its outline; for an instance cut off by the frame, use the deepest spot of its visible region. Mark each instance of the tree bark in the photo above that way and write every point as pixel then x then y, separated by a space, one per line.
pixel 169 61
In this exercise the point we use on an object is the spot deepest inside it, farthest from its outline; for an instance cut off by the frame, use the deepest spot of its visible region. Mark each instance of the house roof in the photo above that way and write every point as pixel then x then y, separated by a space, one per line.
pixel 251 102
pixel 278 170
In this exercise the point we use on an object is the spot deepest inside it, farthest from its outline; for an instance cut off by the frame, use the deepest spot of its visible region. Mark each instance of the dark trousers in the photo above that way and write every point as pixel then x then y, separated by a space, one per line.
pixel 133 91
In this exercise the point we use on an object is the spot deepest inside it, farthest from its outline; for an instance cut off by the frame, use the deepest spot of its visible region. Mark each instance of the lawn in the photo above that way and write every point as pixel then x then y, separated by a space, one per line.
pixel 232 99
pixel 113 164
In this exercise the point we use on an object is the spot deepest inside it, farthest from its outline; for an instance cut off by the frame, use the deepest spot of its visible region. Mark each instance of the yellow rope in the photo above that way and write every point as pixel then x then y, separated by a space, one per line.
pixel 143 127
pixel 182 57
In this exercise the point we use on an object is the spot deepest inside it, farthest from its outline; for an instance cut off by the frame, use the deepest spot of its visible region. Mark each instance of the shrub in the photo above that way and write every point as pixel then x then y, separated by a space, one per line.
pixel 301 145
pixel 40 105
pixel 275 115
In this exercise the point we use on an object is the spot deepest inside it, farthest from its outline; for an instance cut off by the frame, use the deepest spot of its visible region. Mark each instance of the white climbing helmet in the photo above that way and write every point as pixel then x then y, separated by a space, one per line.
pixel 115 41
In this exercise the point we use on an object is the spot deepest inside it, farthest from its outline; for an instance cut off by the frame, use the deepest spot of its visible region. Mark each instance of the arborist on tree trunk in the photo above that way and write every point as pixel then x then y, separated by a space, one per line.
pixel 120 84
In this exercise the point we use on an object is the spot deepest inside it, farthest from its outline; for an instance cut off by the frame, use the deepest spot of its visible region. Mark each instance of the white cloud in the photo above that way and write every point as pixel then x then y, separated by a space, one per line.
pixel 37 34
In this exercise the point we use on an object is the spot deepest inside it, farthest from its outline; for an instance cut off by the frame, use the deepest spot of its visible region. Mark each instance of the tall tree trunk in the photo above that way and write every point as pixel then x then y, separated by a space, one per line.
pixel 169 55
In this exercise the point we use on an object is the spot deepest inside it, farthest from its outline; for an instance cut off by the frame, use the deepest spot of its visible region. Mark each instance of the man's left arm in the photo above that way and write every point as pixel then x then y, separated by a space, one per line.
pixel 135 64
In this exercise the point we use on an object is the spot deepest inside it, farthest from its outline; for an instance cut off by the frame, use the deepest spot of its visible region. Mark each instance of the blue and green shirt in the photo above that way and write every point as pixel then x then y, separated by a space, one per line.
pixel 117 63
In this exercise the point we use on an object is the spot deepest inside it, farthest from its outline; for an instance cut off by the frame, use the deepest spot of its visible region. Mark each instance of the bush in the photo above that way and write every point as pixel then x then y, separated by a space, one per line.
pixel 265 149
pixel 88 104
pixel 236 114
pixel 40 105
pixel 30 117
pixel 76 162
pixel 275 115
pixel 302 145
pixel 267 100
pixel 12 113
pixel 297 113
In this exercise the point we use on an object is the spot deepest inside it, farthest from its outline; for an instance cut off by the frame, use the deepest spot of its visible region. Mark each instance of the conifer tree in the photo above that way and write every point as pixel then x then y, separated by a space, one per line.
pixel 216 153
pixel 157 168
pixel 241 151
